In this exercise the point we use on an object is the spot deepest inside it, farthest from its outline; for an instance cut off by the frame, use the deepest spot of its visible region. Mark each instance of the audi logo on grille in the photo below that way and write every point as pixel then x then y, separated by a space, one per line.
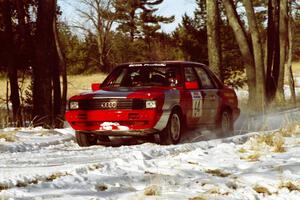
pixel 111 104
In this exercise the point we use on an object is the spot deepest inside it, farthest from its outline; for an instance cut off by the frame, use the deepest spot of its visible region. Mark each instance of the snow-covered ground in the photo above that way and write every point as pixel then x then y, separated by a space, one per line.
pixel 42 164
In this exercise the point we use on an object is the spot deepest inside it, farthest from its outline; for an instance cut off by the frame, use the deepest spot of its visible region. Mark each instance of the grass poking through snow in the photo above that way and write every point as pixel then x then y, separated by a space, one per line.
pixel 275 141
pixel 152 190
pixel 263 143
pixel 262 190
pixel 8 136
pixel 101 187
pixel 290 186
pixel 56 175
pixel 217 172
pixel 242 150
pixel 252 157
pixel 197 198
pixel 3 187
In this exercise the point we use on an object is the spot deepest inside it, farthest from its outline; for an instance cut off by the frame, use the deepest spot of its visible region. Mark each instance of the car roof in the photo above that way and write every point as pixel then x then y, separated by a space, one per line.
pixel 159 63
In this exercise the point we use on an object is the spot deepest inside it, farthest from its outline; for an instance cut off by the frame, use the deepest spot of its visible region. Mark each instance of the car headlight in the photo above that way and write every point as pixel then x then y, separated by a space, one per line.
pixel 150 104
pixel 74 105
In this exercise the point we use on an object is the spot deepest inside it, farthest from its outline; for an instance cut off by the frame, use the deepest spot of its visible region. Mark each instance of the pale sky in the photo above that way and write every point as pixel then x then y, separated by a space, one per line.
pixel 167 8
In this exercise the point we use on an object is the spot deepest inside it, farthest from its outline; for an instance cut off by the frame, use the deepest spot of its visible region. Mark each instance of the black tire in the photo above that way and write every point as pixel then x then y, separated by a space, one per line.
pixel 225 127
pixel 86 139
pixel 172 133
pixel 155 138
pixel 103 138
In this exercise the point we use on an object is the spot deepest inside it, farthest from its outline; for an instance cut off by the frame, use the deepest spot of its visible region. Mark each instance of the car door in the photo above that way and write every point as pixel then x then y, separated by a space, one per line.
pixel 209 92
pixel 192 96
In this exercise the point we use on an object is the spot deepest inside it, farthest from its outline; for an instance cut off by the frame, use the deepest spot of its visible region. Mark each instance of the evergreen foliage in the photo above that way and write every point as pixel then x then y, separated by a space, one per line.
pixel 137 18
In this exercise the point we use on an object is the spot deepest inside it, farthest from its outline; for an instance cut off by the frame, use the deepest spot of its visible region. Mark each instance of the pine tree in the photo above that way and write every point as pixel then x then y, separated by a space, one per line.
pixel 138 19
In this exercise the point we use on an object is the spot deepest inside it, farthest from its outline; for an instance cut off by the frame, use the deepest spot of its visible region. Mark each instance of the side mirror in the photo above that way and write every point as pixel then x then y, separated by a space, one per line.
pixel 192 85
pixel 96 86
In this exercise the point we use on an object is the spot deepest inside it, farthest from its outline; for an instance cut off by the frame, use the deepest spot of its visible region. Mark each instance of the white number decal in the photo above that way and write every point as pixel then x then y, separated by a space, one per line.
pixel 197 104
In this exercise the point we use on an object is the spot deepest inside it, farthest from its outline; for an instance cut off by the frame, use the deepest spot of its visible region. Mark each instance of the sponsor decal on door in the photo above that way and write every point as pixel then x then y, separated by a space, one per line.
pixel 197 104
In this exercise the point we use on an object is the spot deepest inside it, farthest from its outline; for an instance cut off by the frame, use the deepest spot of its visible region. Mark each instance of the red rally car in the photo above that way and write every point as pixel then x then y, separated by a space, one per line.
pixel 142 99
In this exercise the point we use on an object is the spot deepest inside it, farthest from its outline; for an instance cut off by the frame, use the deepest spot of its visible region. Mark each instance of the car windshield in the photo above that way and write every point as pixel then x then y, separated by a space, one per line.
pixel 140 76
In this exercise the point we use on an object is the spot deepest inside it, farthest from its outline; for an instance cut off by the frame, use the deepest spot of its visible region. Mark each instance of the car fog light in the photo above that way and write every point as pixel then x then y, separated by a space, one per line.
pixel 150 104
pixel 74 105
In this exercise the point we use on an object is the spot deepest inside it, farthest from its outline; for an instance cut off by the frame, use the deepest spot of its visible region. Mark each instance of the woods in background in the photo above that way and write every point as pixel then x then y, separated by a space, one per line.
pixel 30 45
pixel 246 43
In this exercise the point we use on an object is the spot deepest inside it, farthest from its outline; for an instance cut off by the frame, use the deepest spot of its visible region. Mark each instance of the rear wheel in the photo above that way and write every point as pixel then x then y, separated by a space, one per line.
pixel 226 123
pixel 172 133
pixel 86 139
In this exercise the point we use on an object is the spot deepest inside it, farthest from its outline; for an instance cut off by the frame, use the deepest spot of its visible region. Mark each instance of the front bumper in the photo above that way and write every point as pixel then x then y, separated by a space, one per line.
pixel 115 122
pixel 133 133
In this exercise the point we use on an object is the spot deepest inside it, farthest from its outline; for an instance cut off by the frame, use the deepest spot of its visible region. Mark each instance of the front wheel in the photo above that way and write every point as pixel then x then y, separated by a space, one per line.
pixel 86 139
pixel 172 133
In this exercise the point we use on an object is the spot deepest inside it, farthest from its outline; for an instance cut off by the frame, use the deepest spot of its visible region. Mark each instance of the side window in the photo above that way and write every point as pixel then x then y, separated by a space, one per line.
pixel 173 76
pixel 190 75
pixel 204 78
pixel 191 79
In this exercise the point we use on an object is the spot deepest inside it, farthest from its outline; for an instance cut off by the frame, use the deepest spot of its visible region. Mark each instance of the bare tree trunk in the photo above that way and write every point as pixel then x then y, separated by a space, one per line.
pixel 42 78
pixel 100 52
pixel 273 50
pixel 7 98
pixel 10 60
pixel 290 55
pixel 283 16
pixel 56 95
pixel 266 66
pixel 56 77
pixel 244 47
pixel 56 82
pixel 14 96
pixel 213 40
pixel 132 23
pixel 21 21
pixel 270 84
pixel 23 46
pixel 258 54
pixel 63 69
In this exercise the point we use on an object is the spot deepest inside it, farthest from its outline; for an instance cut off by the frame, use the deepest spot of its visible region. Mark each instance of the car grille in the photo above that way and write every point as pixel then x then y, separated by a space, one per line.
pixel 111 104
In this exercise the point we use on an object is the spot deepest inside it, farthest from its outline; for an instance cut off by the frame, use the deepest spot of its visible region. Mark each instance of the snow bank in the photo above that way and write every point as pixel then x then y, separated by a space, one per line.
pixel 29 139
pixel 239 167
